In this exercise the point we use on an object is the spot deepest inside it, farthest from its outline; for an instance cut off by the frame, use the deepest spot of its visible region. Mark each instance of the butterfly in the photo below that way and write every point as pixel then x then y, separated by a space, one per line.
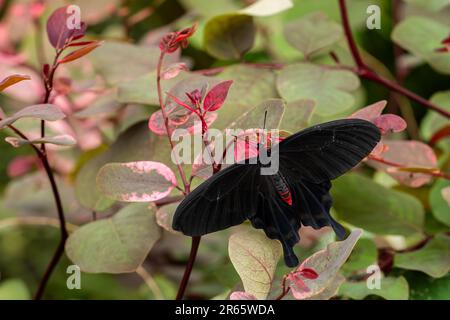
pixel 296 195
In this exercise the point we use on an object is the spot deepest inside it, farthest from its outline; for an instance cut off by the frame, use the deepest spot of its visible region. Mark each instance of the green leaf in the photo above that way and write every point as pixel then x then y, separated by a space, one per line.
pixel 115 245
pixel 109 59
pixel 229 36
pixel 313 34
pixel 433 122
pixel 254 118
pixel 391 288
pixel 139 181
pixel 432 5
pixel 263 8
pixel 363 255
pixel 251 86
pixel 423 287
pixel 297 115
pixel 134 144
pixel 255 257
pixel 47 112
pixel 14 289
pixel 433 258
pixel 327 263
pixel 422 36
pixel 439 206
pixel 329 88
pixel 61 140
pixel 363 203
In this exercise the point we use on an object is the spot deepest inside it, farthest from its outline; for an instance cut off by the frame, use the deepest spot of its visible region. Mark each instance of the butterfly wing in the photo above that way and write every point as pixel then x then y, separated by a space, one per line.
pixel 226 199
pixel 326 151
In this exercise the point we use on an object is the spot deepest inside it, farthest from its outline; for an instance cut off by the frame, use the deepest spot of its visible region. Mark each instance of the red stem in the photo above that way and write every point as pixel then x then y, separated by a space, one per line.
pixel 187 272
pixel 365 72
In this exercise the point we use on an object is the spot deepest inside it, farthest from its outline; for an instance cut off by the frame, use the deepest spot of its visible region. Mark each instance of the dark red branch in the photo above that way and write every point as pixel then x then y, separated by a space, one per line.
pixel 189 266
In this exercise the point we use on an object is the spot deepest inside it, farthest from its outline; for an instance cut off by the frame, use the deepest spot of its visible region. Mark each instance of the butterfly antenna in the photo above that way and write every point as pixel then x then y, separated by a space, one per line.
pixel 265 117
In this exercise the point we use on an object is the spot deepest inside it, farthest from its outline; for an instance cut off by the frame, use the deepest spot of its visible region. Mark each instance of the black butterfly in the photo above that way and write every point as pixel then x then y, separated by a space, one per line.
pixel 298 194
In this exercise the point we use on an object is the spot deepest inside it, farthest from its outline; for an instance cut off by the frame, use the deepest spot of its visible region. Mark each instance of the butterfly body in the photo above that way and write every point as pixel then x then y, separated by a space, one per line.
pixel 295 195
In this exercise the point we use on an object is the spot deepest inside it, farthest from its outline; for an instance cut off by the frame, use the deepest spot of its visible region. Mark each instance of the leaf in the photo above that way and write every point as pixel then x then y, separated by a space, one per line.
pixel 408 154
pixel 229 36
pixel 364 254
pixel 440 206
pixel 173 70
pixel 12 79
pixel 239 295
pixel 313 34
pixel 47 112
pixel 390 123
pixel 327 263
pixel 58 32
pixel 61 140
pixel 297 115
pixel 330 89
pixel 108 60
pixel 254 118
pixel 365 204
pixel 432 5
pixel 134 144
pixel 164 217
pixel 423 287
pixel 263 8
pixel 255 257
pixel 14 289
pixel 432 259
pixel 422 36
pixel 433 122
pixel 371 112
pixel 391 288
pixel 115 245
pixel 140 181
pixel 215 98
pixel 74 55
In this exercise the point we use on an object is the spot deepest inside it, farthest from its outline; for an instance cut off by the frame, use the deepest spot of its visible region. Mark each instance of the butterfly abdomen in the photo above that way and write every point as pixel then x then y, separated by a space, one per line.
pixel 282 188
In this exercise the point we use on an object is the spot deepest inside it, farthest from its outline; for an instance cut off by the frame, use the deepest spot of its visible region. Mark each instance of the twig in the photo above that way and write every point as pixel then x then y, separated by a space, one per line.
pixel 166 123
pixel 284 289
pixel 189 266
pixel 363 70
pixel 150 282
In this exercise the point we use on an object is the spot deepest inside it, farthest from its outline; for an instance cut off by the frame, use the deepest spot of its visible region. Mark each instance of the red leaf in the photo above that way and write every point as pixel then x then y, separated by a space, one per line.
pixel 308 273
pixel 74 55
pixel 390 123
pixel 58 32
pixel 181 103
pixel 297 285
pixel 216 96
pixel 12 79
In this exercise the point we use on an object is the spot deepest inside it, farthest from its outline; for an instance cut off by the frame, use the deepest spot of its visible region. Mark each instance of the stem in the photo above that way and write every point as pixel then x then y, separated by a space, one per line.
pixel 166 123
pixel 189 266
pixel 150 282
pixel 363 71
pixel 284 290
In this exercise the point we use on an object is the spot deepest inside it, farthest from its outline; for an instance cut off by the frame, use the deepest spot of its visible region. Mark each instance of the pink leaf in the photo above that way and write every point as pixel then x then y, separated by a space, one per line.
pixel 240 295
pixel 173 70
pixel 407 154
pixel 216 96
pixel 371 112
pixel 297 285
pixel 181 103
pixel 21 165
pixel 140 181
pixel 390 123
pixel 58 33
